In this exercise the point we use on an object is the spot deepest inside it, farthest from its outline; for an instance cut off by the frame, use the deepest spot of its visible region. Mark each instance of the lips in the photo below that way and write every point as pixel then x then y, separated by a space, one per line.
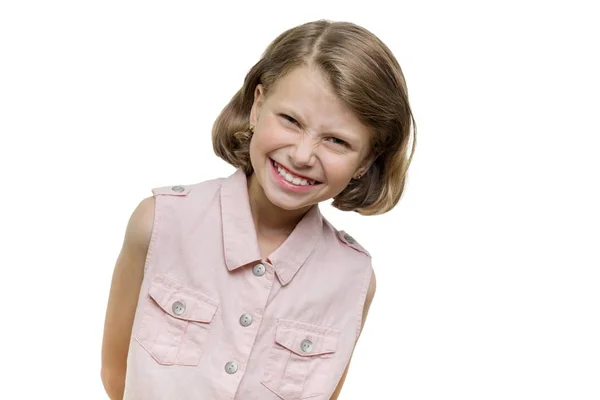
pixel 277 165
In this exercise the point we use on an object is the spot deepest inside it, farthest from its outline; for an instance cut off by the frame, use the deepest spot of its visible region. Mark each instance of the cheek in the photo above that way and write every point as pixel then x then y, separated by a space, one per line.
pixel 340 169
pixel 253 153
pixel 259 141
pixel 272 136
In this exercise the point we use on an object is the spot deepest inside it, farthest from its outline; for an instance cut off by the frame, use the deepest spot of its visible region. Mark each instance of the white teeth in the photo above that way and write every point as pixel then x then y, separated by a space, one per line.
pixel 292 178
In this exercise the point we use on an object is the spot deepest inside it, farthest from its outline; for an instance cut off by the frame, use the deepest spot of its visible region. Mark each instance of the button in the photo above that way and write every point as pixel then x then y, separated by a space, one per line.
pixel 306 346
pixel 231 367
pixel 178 308
pixel 246 320
pixel 259 270
pixel 349 239
pixel 178 189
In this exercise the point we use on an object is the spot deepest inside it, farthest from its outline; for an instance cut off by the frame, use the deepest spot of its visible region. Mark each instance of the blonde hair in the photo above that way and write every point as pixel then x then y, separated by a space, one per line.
pixel 365 75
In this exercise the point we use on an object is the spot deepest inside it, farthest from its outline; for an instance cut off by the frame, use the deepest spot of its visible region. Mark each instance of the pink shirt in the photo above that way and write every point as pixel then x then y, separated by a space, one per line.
pixel 215 321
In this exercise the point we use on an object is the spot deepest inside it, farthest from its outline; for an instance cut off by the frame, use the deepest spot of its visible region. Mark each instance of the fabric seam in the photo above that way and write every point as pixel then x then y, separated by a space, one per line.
pixel 363 298
pixel 153 236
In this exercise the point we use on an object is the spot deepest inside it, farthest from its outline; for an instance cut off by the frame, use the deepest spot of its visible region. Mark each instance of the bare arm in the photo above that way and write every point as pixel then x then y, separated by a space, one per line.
pixel 122 302
pixel 370 295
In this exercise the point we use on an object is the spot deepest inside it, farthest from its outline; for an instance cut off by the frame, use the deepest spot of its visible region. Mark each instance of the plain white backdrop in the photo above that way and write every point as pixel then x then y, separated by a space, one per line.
pixel 488 269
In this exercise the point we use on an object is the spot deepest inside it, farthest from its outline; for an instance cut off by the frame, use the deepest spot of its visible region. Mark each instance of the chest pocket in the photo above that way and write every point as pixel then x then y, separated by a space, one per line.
pixel 176 322
pixel 301 360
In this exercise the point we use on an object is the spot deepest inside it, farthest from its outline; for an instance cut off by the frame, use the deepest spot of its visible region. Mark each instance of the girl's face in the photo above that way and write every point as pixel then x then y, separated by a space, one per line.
pixel 307 144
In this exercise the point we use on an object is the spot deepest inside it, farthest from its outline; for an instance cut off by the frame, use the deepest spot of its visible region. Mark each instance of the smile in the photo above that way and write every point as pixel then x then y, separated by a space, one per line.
pixel 290 178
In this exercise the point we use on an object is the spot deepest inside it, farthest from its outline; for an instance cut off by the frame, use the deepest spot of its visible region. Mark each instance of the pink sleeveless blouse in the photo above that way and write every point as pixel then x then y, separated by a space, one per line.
pixel 215 321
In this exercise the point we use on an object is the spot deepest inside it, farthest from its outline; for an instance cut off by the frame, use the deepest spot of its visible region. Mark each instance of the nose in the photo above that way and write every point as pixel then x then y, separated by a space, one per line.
pixel 302 154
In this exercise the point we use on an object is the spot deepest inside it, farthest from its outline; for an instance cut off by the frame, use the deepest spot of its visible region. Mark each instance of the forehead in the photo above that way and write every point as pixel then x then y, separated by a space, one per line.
pixel 306 91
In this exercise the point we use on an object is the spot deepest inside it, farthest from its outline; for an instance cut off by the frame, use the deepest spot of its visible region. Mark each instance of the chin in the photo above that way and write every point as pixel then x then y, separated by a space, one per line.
pixel 277 201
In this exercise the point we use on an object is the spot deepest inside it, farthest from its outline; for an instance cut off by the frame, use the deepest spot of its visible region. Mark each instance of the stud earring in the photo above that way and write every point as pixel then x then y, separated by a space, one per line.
pixel 251 128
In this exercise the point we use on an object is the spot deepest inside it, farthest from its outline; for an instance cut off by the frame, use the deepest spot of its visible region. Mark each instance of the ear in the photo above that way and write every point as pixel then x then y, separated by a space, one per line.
pixel 365 165
pixel 259 97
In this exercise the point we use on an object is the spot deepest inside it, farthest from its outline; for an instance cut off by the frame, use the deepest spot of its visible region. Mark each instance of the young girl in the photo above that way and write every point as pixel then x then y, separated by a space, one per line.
pixel 238 287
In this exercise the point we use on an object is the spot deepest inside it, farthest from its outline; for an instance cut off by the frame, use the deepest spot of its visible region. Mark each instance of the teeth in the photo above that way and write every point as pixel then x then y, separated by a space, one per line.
pixel 292 178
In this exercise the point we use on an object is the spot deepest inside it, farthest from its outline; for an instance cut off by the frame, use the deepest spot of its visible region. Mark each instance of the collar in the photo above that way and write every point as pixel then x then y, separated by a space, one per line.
pixel 239 234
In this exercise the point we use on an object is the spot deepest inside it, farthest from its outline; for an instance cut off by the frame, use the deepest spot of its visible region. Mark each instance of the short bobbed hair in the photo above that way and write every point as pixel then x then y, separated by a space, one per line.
pixel 365 75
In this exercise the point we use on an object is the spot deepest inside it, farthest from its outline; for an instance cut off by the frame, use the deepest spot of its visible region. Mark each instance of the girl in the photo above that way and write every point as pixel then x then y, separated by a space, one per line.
pixel 237 287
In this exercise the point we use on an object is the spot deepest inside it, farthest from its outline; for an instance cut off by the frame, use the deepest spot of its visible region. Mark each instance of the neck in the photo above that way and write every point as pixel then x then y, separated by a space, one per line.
pixel 268 218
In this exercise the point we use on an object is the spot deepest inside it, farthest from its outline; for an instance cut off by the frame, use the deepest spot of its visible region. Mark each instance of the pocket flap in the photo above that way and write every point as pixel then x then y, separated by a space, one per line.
pixel 182 302
pixel 291 335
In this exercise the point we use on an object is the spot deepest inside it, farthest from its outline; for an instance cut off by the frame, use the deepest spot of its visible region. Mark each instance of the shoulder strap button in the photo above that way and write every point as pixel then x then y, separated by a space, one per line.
pixel 349 238
pixel 177 190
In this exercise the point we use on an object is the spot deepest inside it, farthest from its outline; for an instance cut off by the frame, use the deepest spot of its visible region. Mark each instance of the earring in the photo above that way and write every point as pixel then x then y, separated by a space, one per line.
pixel 251 128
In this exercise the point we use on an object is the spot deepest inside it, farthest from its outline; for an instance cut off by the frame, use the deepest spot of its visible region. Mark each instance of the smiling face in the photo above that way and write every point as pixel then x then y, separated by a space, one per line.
pixel 307 145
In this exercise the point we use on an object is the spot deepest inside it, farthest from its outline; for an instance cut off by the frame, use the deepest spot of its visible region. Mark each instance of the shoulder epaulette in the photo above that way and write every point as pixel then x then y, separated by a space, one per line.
pixel 351 242
pixel 178 190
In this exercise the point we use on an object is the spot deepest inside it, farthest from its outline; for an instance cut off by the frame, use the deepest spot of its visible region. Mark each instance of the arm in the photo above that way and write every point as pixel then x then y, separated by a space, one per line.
pixel 122 302
pixel 370 295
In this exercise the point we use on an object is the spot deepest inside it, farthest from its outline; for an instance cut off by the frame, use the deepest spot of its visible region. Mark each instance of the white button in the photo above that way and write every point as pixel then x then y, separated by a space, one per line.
pixel 246 320
pixel 178 189
pixel 231 367
pixel 178 308
pixel 259 270
pixel 306 346
pixel 349 239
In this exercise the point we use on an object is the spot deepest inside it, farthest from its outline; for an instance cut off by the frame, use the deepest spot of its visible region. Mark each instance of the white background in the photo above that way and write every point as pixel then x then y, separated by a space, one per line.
pixel 488 269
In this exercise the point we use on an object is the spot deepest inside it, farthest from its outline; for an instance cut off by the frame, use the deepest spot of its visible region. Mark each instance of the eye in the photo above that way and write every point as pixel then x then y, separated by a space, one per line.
pixel 339 142
pixel 289 119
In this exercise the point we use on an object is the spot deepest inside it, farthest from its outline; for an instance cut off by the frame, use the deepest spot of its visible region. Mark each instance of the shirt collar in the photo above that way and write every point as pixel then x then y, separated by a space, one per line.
pixel 239 234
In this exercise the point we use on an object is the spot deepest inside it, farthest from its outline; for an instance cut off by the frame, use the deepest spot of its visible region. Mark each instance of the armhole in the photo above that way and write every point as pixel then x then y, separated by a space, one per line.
pixel 153 235
pixel 363 298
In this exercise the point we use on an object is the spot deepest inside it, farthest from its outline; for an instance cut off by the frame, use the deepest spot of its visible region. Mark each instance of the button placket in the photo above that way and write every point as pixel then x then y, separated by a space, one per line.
pixel 247 319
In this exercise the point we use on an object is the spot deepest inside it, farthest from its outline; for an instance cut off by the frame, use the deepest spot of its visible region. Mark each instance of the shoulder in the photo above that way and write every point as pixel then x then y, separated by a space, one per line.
pixel 139 226
pixel 349 243
pixel 141 222
pixel 345 240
